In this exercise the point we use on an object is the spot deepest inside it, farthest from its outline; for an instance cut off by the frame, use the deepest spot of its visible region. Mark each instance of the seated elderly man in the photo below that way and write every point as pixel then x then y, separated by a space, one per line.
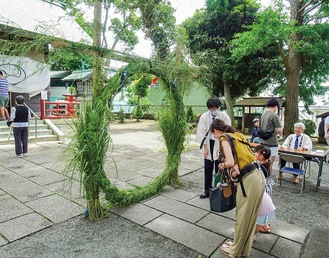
pixel 299 141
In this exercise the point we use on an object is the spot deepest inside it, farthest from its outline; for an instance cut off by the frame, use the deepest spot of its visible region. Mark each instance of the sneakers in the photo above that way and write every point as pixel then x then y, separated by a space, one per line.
pixel 295 180
pixel 204 195
pixel 22 155
pixel 280 176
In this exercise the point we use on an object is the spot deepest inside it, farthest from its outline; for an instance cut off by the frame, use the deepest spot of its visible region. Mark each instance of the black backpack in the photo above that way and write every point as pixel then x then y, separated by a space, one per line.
pixel 321 128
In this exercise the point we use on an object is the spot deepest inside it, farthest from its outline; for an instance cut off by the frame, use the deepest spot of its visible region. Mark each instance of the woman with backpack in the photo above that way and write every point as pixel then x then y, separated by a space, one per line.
pixel 250 191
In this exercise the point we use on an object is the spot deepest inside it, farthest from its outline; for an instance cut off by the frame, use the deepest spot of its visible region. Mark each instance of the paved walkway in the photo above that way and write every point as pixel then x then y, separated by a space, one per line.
pixel 34 196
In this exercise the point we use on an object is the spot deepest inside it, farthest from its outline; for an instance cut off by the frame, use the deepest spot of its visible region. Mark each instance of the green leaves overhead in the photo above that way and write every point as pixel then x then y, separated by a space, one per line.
pixel 210 32
pixel 272 28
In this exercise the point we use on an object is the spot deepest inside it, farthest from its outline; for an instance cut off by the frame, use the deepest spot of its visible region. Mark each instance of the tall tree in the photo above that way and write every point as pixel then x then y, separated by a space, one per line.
pixel 300 32
pixel 209 32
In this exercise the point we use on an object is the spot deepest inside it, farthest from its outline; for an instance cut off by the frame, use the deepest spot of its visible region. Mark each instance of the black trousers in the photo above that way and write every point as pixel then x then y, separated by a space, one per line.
pixel 21 135
pixel 294 165
pixel 283 163
pixel 209 168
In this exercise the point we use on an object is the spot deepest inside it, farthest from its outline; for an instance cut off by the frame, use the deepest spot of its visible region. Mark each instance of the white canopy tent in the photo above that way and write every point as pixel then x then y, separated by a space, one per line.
pixel 25 75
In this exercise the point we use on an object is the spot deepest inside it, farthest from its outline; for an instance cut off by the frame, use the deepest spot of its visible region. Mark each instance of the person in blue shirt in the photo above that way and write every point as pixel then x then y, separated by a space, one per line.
pixel 254 132
pixel 4 98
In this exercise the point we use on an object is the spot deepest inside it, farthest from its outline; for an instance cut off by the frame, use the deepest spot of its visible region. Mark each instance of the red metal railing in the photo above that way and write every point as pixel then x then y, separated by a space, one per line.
pixel 59 109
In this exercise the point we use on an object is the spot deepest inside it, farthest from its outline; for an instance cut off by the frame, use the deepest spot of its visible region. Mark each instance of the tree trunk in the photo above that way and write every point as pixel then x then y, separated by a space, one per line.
pixel 293 69
pixel 228 101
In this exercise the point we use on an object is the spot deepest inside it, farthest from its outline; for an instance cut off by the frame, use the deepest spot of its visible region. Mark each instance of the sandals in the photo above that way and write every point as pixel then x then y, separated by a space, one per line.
pixel 225 249
pixel 265 230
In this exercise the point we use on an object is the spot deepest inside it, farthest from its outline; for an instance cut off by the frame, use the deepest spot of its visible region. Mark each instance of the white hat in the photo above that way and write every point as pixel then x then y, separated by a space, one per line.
pixel 255 120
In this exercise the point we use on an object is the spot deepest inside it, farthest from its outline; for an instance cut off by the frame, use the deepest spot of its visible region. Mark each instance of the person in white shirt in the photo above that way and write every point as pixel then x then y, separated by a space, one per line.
pixel 326 129
pixel 298 141
pixel 207 141
pixel 326 136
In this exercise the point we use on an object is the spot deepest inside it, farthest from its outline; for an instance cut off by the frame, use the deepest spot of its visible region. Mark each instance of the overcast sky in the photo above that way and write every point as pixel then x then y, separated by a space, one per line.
pixel 184 9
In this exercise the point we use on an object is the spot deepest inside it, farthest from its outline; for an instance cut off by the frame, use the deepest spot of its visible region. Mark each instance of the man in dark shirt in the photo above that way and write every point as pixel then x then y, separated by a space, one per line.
pixel 270 122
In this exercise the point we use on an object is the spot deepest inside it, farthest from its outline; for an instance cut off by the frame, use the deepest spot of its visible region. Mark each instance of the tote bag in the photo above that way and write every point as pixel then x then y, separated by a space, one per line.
pixel 223 197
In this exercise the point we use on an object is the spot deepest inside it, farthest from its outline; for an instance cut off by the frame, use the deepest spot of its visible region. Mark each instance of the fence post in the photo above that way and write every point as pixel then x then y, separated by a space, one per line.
pixel 42 108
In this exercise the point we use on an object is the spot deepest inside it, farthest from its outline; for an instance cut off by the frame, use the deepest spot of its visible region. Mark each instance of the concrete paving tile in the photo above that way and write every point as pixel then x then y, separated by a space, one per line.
pixel 137 213
pixel 140 181
pixel 286 248
pixel 17 164
pixel 9 178
pixel 289 231
pixel 122 171
pixel 192 236
pixel 177 194
pixel 52 155
pixel 2 193
pixel 11 208
pixel 55 166
pixel 26 191
pixel 153 171
pixel 265 242
pixel 229 214
pixel 176 208
pixel 200 203
pixel 23 226
pixel 204 204
pixel 42 176
pixel 185 169
pixel 254 253
pixel 56 208
pixel 119 184
pixel 3 241
pixel 70 189
pixel 218 224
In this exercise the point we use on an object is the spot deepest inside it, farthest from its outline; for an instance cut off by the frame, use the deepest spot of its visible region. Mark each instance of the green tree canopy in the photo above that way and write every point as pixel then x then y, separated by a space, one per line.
pixel 209 34
pixel 300 33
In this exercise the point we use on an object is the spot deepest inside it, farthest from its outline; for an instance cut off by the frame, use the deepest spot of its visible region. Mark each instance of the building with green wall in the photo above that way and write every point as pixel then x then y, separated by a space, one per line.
pixel 196 98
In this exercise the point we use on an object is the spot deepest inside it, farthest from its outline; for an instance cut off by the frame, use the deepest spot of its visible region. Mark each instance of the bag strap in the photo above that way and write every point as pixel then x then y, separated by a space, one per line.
pixel 260 118
pixel 230 139
pixel 204 138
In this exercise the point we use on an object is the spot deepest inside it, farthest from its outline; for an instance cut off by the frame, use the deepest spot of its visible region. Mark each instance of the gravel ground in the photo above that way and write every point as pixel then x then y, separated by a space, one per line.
pixel 307 210
pixel 113 237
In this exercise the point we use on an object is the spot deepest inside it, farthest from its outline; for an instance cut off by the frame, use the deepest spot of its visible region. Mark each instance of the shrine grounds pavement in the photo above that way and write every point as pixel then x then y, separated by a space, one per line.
pixel 41 216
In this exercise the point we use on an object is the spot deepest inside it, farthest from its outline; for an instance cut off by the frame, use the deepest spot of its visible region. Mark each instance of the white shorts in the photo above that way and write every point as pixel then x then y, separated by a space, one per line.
pixel 274 151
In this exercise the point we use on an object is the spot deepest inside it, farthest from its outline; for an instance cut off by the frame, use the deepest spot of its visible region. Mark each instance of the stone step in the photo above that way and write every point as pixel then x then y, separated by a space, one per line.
pixel 44 132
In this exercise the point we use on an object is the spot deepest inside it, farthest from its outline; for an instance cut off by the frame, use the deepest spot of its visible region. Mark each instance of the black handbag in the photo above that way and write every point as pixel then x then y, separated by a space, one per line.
pixel 265 135
pixel 223 197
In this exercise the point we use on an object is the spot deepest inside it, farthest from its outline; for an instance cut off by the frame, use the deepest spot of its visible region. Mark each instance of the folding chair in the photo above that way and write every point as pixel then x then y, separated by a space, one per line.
pixel 290 158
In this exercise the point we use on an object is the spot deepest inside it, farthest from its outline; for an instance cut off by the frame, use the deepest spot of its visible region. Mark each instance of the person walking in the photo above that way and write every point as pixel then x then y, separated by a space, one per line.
pixel 20 116
pixel 208 143
pixel 250 191
pixel 4 98
pixel 270 122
